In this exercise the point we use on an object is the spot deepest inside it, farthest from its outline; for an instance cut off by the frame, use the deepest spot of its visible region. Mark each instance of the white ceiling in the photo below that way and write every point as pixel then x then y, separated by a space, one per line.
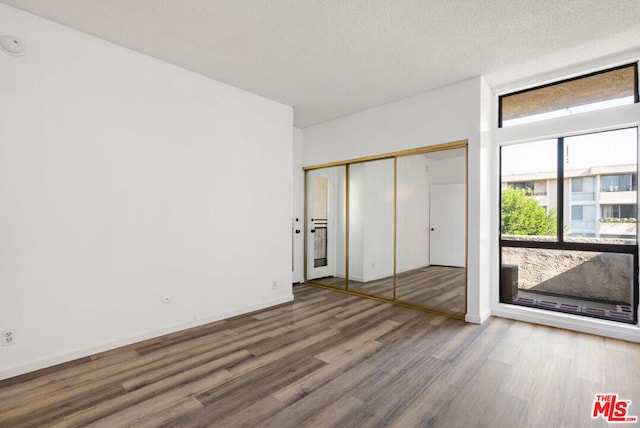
pixel 328 58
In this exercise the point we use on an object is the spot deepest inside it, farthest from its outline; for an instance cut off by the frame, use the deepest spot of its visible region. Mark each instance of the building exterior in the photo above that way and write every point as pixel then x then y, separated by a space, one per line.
pixel 601 202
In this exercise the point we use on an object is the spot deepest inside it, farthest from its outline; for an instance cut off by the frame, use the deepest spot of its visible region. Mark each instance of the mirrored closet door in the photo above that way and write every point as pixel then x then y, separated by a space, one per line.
pixel 371 220
pixel 431 230
pixel 392 227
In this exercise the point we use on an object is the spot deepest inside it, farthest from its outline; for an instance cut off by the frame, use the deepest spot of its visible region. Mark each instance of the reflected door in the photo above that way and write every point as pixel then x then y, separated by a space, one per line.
pixel 448 224
pixel 320 257
pixel 318 262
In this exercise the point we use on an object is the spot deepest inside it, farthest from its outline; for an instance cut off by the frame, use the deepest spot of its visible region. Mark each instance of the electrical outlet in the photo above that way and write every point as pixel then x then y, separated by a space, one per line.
pixel 8 337
pixel 274 285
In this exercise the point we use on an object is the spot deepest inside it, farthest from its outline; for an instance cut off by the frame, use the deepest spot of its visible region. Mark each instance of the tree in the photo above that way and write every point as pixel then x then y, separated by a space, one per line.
pixel 523 215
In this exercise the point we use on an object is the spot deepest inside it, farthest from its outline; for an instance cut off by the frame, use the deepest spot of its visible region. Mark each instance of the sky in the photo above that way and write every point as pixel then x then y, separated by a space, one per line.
pixel 608 148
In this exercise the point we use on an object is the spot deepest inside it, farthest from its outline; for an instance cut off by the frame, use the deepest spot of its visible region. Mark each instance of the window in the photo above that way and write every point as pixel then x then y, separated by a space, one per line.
pixel 583 221
pixel 576 252
pixel 524 185
pixel 628 211
pixel 576 186
pixel 596 91
pixel 576 212
pixel 538 220
pixel 619 183
pixel 582 189
pixel 619 212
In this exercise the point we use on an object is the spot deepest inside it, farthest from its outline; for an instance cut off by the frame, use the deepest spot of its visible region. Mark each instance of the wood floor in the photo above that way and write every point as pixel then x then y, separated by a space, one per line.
pixel 335 360
pixel 438 287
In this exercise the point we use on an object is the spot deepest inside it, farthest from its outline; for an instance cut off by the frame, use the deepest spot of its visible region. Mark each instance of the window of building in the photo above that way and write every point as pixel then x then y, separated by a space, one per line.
pixel 576 212
pixel 619 183
pixel 583 221
pixel 582 189
pixel 595 91
pixel 575 254
pixel 617 211
pixel 524 185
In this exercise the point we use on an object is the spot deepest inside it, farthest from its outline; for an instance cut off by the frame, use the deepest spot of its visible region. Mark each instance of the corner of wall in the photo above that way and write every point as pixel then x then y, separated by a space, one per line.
pixel 477 319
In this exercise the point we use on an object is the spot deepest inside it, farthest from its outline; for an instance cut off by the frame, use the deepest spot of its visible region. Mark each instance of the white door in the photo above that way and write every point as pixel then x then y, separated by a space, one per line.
pixel 447 232
pixel 319 226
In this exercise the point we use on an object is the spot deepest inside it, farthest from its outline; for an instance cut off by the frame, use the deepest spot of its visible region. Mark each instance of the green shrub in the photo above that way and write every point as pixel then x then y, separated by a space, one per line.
pixel 523 215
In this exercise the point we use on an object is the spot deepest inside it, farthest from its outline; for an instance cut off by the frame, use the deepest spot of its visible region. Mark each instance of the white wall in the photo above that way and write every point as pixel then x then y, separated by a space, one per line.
pixel 371 220
pixel 124 179
pixel 298 208
pixel 443 115
pixel 412 211
pixel 378 220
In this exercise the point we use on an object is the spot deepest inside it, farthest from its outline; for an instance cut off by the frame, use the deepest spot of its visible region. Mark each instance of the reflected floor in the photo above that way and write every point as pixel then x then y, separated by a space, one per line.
pixel 331 281
pixel 440 287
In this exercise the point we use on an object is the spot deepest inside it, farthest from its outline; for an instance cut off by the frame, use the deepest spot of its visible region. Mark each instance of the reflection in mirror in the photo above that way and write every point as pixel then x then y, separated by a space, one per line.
pixel 326 220
pixel 371 211
pixel 431 230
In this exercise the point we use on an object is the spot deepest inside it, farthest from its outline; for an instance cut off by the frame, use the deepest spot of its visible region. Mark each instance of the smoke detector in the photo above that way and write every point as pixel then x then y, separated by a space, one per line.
pixel 11 45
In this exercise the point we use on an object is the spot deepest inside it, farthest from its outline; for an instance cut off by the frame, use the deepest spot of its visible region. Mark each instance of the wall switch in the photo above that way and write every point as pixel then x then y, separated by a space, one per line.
pixel 274 285
pixel 8 337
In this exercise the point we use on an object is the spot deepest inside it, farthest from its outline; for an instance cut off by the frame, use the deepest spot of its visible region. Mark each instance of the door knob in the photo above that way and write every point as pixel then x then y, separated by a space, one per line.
pixel 313 231
pixel 297 230
pixel 432 229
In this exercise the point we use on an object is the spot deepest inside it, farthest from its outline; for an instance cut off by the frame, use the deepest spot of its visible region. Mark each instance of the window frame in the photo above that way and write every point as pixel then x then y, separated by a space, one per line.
pixel 560 243
pixel 636 94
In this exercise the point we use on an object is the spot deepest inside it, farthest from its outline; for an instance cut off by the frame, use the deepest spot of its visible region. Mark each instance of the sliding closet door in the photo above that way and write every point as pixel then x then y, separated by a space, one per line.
pixel 431 230
pixel 392 227
pixel 371 227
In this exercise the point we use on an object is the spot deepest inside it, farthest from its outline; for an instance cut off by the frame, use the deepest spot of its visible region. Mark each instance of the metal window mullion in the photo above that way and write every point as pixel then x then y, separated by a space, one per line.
pixel 560 191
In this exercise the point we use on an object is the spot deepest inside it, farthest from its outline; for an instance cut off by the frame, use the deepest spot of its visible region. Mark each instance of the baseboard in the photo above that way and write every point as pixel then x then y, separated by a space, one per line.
pixel 63 358
pixel 361 278
pixel 377 277
pixel 475 319
pixel 612 329
pixel 401 269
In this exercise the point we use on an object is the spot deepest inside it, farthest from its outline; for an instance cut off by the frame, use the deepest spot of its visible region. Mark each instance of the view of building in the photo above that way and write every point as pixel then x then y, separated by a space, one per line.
pixel 601 201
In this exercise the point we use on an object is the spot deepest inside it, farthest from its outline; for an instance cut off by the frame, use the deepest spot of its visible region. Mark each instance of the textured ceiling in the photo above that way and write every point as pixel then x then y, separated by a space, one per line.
pixel 328 58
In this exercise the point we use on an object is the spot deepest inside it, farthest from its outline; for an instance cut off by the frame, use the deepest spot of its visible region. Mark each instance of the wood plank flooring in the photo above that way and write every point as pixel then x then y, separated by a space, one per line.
pixel 335 360
pixel 438 287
